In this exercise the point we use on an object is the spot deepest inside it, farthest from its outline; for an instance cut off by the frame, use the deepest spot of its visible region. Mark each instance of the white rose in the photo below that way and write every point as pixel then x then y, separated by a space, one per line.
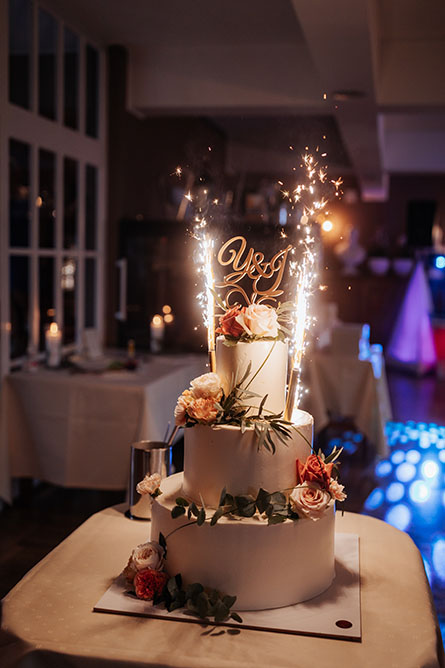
pixel 206 386
pixel 259 320
pixel 336 490
pixel 148 555
pixel 149 484
pixel 309 500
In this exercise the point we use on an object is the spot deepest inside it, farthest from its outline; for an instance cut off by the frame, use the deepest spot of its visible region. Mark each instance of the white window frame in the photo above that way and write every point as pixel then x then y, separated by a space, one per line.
pixel 40 133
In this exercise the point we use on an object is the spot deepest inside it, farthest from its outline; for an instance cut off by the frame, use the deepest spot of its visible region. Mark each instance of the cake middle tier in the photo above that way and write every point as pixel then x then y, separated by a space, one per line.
pixel 222 456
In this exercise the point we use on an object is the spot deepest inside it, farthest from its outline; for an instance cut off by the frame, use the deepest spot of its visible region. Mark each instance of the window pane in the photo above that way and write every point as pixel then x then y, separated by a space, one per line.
pixel 92 91
pixel 90 292
pixel 20 40
pixel 90 207
pixel 70 204
pixel 47 64
pixel 19 295
pixel 19 179
pixel 71 79
pixel 69 283
pixel 46 296
pixel 46 198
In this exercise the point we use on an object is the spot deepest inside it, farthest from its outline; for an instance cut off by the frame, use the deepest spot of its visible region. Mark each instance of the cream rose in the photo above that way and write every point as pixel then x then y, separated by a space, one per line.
pixel 206 386
pixel 180 412
pixel 149 484
pixel 146 555
pixel 336 490
pixel 259 320
pixel 309 500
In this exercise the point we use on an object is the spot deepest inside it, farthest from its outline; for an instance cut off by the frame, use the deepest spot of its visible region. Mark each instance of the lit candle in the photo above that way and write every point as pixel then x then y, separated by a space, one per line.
pixel 53 339
pixel 156 333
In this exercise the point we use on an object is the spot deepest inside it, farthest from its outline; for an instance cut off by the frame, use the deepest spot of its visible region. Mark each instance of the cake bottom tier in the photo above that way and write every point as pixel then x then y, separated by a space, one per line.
pixel 263 566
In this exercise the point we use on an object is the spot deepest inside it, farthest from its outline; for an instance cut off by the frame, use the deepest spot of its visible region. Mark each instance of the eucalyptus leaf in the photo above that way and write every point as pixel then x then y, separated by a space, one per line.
pixel 180 501
pixel 177 511
pixel 216 516
pixel 201 517
pixel 236 617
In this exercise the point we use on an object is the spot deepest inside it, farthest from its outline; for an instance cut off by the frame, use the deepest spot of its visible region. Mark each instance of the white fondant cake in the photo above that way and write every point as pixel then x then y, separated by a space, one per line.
pixel 264 565
pixel 221 456
pixel 268 361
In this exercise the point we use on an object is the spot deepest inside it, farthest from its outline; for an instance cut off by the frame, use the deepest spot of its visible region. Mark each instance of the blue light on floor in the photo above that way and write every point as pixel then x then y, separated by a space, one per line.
pixel 395 492
pixel 397 457
pixel 399 516
pixel 440 262
pixel 430 469
pixel 383 469
pixel 375 499
pixel 405 472
pixel 413 456
pixel 419 492
pixel 438 557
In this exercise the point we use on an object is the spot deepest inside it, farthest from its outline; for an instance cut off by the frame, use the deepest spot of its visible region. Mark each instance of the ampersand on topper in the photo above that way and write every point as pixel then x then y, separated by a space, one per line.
pixel 254 266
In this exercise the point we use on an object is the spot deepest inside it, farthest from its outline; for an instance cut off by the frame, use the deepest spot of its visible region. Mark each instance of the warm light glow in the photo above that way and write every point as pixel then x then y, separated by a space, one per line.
pixel 169 318
pixel 51 312
pixel 327 226
pixel 166 309
pixel 53 328
pixel 39 201
pixel 158 321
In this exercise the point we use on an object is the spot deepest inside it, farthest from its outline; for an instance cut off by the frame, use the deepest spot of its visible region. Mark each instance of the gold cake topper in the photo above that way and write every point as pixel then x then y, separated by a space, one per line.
pixel 255 267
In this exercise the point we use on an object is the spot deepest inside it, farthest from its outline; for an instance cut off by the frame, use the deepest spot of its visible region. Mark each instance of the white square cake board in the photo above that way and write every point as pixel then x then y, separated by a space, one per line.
pixel 333 614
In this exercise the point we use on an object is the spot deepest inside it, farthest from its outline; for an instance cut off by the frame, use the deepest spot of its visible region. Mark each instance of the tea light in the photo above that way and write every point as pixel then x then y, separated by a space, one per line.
pixel 157 328
pixel 53 339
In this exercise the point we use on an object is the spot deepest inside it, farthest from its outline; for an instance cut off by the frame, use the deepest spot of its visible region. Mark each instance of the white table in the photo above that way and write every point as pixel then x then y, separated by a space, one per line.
pixel 76 430
pixel 344 385
pixel 47 619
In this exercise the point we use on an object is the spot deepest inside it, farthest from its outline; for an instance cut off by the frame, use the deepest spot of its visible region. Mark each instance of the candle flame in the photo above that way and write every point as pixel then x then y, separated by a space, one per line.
pixel 53 328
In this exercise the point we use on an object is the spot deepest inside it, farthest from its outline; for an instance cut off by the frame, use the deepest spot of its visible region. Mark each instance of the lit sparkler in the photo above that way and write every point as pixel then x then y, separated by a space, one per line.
pixel 313 195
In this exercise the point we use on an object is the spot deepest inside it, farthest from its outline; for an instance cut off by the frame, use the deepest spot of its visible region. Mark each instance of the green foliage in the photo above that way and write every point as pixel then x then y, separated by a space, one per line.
pixel 197 600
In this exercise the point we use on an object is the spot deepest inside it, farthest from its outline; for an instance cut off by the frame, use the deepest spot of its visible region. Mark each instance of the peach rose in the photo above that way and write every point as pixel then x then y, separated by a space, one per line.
pixel 228 323
pixel 149 484
pixel 206 386
pixel 259 320
pixel 203 410
pixel 309 500
pixel 336 490
pixel 147 555
pixel 181 408
pixel 314 470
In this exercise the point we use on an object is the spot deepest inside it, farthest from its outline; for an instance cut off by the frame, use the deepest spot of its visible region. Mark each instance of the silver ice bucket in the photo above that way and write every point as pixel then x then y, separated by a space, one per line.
pixel 146 457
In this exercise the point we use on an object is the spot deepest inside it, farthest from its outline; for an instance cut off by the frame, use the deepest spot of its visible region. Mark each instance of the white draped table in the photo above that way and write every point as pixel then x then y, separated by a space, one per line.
pixel 47 619
pixel 75 430
pixel 344 385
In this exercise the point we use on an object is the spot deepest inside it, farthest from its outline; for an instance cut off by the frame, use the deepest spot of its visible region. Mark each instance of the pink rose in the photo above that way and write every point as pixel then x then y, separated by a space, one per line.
pixel 259 320
pixel 228 323
pixel 336 490
pixel 314 470
pixel 309 500
pixel 148 582
pixel 203 410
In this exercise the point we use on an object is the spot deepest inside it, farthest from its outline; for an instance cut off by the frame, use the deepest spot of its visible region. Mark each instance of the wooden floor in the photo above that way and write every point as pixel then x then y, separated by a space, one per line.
pixel 45 515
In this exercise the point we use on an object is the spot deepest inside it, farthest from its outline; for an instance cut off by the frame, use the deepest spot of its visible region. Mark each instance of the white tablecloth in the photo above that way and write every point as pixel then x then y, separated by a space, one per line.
pixel 47 619
pixel 344 385
pixel 76 430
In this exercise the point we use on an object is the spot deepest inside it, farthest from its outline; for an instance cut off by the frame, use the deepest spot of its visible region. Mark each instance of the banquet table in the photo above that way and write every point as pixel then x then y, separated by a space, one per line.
pixel 48 622
pixel 75 430
pixel 344 385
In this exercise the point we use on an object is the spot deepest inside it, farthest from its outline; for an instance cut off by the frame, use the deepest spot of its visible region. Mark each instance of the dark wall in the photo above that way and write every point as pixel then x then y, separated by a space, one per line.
pixel 142 156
